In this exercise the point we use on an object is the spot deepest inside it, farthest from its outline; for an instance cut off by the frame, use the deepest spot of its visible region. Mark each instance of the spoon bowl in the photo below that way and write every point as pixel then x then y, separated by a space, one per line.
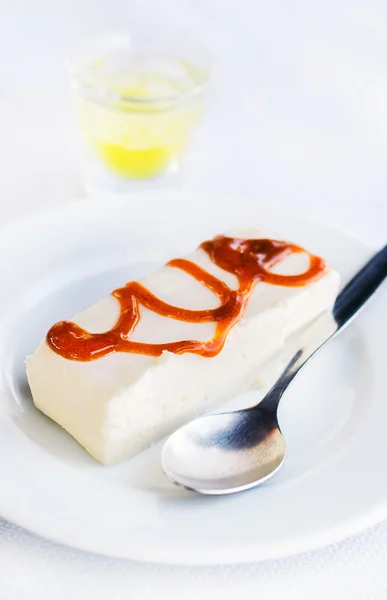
pixel 224 453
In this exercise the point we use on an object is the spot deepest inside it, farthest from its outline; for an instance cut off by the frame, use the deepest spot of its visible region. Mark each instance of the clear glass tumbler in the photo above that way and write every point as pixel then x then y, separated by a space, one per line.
pixel 138 99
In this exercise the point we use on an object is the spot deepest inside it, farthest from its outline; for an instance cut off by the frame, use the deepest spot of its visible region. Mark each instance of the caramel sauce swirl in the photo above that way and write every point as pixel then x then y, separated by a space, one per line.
pixel 250 261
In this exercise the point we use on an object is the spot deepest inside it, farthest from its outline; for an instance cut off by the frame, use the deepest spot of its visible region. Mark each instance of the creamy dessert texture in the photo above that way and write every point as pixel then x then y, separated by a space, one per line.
pixel 156 353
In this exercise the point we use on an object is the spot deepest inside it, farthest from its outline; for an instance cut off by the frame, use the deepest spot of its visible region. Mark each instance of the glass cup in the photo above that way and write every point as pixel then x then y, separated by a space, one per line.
pixel 138 99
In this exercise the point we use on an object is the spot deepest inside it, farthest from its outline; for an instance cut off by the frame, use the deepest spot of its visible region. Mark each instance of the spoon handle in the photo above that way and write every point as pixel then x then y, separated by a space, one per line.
pixel 347 305
pixel 361 287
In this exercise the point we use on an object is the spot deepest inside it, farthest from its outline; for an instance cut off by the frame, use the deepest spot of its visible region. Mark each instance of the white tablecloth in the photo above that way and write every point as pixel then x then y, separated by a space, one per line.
pixel 35 569
pixel 299 114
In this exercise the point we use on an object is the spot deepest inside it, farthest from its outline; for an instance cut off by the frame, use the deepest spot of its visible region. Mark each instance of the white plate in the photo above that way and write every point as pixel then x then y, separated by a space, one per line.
pixel 334 418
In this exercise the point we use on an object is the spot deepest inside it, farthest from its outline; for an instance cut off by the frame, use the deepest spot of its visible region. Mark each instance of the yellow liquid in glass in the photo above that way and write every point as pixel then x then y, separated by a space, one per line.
pixel 139 140
pixel 136 163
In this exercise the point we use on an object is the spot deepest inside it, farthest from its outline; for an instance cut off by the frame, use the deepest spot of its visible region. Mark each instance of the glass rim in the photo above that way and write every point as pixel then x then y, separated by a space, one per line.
pixel 77 72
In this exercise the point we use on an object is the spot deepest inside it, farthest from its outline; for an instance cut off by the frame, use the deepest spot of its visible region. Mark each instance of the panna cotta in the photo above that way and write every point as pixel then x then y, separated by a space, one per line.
pixel 157 353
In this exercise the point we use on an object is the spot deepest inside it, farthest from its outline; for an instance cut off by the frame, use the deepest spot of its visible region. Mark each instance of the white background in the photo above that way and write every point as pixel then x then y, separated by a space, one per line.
pixel 298 114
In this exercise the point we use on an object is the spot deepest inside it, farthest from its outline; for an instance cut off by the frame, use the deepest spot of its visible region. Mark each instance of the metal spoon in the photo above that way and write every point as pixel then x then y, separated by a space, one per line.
pixel 230 452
